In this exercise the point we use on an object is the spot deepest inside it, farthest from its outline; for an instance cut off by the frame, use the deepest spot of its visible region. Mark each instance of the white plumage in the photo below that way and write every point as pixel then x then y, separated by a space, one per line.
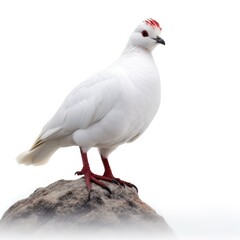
pixel 110 108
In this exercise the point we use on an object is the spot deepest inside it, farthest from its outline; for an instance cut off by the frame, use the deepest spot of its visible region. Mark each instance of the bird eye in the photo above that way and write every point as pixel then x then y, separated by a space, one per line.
pixel 144 33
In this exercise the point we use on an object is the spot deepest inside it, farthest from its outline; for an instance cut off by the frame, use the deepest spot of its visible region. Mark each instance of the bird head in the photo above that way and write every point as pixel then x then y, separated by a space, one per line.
pixel 147 35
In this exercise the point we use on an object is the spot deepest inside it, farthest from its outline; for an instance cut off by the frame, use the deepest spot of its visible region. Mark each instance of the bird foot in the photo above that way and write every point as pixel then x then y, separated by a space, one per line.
pixel 91 177
pixel 116 180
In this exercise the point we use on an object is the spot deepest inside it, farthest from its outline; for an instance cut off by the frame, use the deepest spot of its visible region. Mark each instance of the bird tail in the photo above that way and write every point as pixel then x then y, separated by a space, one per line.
pixel 39 154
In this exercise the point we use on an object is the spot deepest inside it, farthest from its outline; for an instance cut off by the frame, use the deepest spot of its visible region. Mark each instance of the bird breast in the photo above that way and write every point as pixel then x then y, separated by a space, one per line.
pixel 137 105
pixel 125 99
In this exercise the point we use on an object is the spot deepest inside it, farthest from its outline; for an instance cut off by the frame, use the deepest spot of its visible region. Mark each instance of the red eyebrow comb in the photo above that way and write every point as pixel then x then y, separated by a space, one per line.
pixel 153 23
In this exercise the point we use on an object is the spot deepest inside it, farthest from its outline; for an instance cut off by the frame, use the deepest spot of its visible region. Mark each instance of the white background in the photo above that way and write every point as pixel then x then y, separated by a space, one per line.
pixel 186 165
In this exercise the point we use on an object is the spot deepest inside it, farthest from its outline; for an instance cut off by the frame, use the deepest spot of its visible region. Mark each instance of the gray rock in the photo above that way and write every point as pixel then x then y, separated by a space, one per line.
pixel 67 206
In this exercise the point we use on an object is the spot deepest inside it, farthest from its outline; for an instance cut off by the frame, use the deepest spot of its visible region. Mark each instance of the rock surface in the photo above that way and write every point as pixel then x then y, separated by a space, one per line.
pixel 67 205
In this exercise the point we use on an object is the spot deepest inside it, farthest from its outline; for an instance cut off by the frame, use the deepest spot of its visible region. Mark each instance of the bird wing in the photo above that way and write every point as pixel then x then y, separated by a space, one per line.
pixel 86 104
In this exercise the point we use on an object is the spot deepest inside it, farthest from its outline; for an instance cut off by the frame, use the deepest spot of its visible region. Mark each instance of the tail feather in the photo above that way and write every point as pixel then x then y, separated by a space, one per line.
pixel 38 155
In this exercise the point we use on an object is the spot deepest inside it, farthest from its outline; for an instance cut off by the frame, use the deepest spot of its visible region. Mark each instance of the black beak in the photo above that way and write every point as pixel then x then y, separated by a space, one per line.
pixel 159 40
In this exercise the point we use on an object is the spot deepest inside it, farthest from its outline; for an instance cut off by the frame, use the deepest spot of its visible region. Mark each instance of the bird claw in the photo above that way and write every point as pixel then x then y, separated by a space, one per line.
pixel 118 181
pixel 78 173
pixel 115 181
pixel 123 183
pixel 108 189
pixel 134 186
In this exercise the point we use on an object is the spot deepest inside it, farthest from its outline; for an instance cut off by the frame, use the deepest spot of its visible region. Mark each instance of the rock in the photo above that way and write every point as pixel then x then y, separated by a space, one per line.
pixel 67 205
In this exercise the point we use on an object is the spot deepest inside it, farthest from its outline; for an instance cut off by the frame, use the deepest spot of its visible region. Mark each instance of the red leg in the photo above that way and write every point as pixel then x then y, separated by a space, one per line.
pixel 108 176
pixel 107 168
pixel 89 176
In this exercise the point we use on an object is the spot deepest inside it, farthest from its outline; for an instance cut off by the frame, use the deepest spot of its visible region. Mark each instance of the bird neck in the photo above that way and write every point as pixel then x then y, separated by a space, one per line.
pixel 133 49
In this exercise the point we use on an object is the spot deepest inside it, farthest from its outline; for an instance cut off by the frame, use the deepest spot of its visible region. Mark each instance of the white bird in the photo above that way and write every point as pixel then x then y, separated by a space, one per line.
pixel 112 107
